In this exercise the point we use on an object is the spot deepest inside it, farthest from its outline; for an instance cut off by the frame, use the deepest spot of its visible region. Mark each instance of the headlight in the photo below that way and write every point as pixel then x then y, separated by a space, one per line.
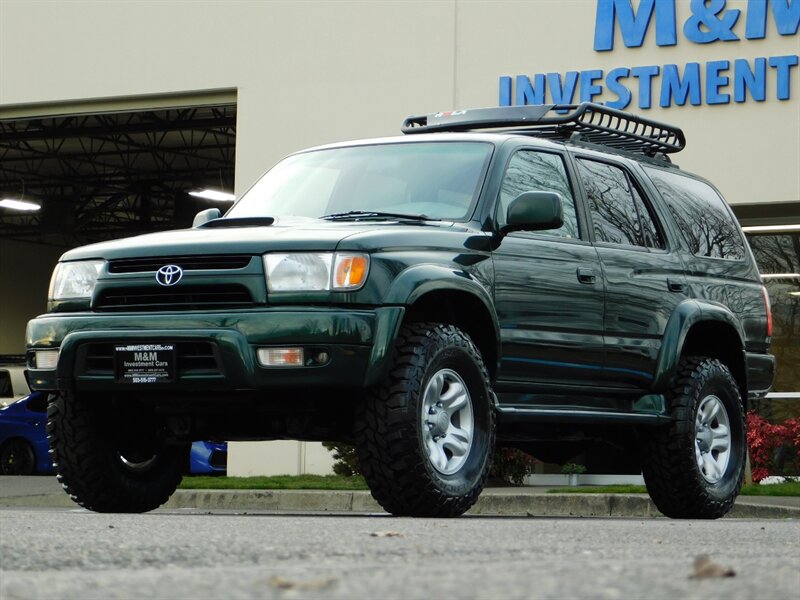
pixel 305 272
pixel 74 279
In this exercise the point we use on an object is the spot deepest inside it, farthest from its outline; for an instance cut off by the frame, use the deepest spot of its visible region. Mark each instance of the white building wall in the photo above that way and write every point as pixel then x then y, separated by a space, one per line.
pixel 314 72
pixel 306 72
pixel 283 457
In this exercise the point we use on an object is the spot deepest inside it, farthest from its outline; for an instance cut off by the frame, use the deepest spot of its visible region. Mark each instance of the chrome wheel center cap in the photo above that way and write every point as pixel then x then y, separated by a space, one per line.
pixel 441 423
pixel 704 437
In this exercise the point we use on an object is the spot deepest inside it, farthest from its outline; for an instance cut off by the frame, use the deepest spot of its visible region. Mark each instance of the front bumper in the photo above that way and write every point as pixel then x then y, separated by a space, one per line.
pixel 358 343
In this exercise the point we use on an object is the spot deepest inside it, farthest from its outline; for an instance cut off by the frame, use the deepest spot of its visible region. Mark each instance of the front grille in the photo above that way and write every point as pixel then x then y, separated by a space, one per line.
pixel 187 297
pixel 187 263
pixel 98 359
pixel 192 358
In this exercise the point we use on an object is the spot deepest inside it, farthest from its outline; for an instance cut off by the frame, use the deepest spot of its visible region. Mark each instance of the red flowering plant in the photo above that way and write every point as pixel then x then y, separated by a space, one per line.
pixel 774 449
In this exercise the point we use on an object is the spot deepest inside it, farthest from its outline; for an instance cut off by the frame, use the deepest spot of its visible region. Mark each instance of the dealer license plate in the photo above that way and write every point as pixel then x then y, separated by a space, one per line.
pixel 145 363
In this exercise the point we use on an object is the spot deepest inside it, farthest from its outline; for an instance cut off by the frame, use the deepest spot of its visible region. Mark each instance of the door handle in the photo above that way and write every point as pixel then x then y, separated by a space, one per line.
pixel 675 286
pixel 586 275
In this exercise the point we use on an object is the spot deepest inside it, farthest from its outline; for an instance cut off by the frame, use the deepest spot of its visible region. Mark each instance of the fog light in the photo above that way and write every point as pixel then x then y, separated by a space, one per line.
pixel 281 357
pixel 46 359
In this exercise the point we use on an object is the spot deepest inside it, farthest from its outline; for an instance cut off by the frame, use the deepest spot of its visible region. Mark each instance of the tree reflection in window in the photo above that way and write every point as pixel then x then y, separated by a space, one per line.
pixel 619 213
pixel 700 214
pixel 531 171
pixel 778 253
pixel 778 258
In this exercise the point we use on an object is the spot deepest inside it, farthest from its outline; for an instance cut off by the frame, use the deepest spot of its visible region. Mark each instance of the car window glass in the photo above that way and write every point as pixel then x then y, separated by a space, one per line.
pixel 5 385
pixel 650 231
pixel 705 224
pixel 777 253
pixel 618 211
pixel 380 191
pixel 531 171
pixel 38 403
pixel 778 258
pixel 440 180
pixel 314 183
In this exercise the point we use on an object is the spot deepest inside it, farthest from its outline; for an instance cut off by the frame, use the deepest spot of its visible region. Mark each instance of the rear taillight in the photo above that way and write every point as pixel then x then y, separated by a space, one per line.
pixel 769 310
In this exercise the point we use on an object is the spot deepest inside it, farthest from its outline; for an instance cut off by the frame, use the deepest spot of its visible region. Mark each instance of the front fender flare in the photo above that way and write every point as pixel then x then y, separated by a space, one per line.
pixel 418 280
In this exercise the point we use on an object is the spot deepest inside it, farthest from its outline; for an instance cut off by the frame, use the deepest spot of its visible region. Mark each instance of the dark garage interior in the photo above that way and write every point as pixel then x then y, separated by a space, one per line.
pixel 113 174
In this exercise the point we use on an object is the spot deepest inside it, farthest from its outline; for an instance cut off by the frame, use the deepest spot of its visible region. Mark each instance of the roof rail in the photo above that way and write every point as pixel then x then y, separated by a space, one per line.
pixel 589 122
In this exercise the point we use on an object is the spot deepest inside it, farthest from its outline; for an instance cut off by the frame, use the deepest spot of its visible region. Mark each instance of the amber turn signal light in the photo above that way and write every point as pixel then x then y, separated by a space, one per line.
pixel 350 271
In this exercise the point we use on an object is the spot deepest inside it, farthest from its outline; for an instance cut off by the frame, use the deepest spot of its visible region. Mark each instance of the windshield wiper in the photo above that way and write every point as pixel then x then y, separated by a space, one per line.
pixel 375 214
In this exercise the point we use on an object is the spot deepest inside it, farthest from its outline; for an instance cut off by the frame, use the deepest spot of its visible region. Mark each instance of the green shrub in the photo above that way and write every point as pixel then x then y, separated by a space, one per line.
pixel 345 457
pixel 573 469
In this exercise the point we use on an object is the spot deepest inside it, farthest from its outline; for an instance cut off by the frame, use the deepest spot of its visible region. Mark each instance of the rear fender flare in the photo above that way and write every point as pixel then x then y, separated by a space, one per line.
pixel 688 314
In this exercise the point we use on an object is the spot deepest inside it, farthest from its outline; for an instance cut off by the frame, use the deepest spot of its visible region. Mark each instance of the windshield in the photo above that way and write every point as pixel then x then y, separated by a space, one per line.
pixel 437 180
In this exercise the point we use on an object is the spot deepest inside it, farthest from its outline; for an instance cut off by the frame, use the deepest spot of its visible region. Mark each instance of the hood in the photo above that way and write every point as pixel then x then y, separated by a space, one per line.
pixel 286 234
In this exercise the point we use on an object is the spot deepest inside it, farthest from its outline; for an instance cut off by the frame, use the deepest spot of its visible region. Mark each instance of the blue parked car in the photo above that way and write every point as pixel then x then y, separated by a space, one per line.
pixel 23 436
pixel 208 458
pixel 24 450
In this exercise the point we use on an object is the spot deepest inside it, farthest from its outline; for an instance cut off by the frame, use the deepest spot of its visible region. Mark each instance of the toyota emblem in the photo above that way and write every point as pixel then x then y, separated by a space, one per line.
pixel 169 275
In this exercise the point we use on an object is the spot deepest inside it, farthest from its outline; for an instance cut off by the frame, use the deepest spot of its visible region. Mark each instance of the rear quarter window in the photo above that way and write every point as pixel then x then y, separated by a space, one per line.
pixel 705 223
pixel 619 214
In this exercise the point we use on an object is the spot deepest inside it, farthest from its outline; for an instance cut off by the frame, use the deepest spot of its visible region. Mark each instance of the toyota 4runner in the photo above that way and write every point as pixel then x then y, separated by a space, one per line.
pixel 539 277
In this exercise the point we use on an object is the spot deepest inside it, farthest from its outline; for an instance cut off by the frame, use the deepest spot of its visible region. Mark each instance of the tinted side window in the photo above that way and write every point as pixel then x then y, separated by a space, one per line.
pixel 38 403
pixel 701 216
pixel 530 171
pixel 619 213
pixel 5 385
pixel 650 233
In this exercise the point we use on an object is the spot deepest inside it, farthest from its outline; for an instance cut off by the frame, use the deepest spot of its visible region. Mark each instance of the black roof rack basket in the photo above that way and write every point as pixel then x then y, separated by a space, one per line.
pixel 593 123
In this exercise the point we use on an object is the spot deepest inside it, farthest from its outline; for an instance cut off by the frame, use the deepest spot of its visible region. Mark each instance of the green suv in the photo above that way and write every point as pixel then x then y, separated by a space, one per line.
pixel 538 277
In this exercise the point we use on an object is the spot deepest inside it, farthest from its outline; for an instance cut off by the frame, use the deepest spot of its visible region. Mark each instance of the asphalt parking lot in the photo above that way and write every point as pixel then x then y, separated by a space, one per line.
pixel 518 543
pixel 199 553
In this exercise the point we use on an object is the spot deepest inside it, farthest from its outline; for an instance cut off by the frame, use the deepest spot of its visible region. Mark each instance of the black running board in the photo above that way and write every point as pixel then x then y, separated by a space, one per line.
pixel 515 414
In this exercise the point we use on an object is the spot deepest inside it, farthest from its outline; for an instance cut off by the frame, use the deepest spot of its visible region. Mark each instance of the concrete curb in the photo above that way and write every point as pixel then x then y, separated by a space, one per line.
pixel 493 503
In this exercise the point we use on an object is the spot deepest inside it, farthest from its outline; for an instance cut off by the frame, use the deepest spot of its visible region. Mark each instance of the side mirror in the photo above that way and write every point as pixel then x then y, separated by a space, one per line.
pixel 534 211
pixel 204 216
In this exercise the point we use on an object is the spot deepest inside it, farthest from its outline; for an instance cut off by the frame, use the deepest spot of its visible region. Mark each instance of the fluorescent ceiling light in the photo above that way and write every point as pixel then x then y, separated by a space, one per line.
pixel 18 204
pixel 766 228
pixel 210 194
pixel 780 275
